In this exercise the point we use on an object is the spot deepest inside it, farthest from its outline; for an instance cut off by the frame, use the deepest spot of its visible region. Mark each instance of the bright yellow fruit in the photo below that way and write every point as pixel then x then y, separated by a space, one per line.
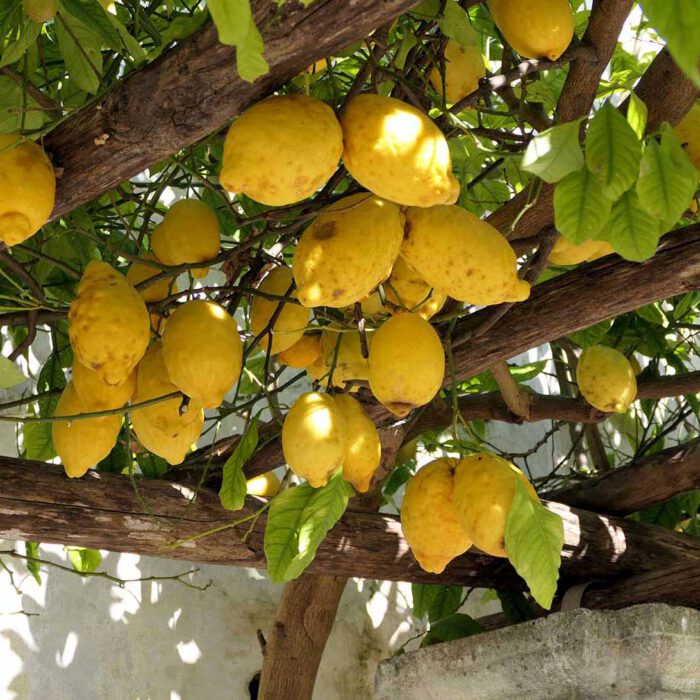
pixel 363 451
pixel 567 253
pixel 160 428
pixel 94 394
pixel 462 256
pixel 27 188
pixel 634 363
pixel 303 353
pixel 202 351
pixel 41 10
pixel 347 251
pixel 483 494
pixel 464 67
pixel 535 28
pixel 282 150
pixel 406 363
pixel 266 485
pixel 109 323
pixel 688 133
pixel 408 290
pixel 290 322
pixel 429 519
pixel 189 233
pixel 140 272
pixel 396 151
pixel 314 436
pixel 349 361
pixel 606 379
pixel 81 444
pixel 317 66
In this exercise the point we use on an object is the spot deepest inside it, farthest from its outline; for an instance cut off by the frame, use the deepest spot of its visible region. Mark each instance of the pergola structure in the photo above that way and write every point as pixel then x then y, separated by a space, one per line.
pixel 190 92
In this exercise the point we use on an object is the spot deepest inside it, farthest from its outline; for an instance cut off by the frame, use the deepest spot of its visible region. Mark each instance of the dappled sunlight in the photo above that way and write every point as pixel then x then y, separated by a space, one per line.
pixel 618 541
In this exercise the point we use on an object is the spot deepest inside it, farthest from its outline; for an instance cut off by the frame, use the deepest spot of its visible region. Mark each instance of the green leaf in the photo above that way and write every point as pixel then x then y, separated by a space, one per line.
pixel 678 23
pixel 12 100
pixel 151 466
pixel 534 539
pixel 435 601
pixel 236 27
pixel 80 48
pixel 37 441
pixel 632 233
pixel 637 113
pixel 50 378
pixel 515 606
pixel 31 549
pixel 93 15
pixel 29 32
pixel 118 461
pixel 453 627
pixel 298 520
pixel 581 210
pixel 456 25
pixel 84 560
pixel 10 374
pixel 555 153
pixel 590 336
pixel 613 151
pixel 233 487
pixel 652 313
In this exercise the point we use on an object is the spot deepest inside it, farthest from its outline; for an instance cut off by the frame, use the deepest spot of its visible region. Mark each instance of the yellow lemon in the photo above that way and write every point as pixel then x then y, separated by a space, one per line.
pixel 95 394
pixel 189 233
pixel 266 485
pixel 341 350
pixel 347 251
pixel 282 150
pixel 363 451
pixel 464 67
pixel 483 495
pixel 428 517
pixel 291 320
pixel 461 256
pixel 83 443
pixel 535 28
pixel 303 353
pixel 140 272
pixel 109 324
pixel 567 253
pixel 606 379
pixel 27 188
pixel 314 437
pixel 202 351
pixel 161 428
pixel 406 363
pixel 396 151
pixel 406 289
pixel 41 10
pixel 688 133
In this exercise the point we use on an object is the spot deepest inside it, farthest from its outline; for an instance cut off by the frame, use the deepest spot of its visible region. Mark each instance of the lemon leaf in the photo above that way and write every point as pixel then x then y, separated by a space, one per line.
pixel 298 521
pixel 81 49
pixel 233 486
pixel 84 560
pixel 455 24
pixel 10 374
pixel 37 441
pixel 555 153
pixel 435 601
pixel 31 549
pixel 450 628
pixel 93 15
pixel 534 539
pixel 637 114
pixel 28 35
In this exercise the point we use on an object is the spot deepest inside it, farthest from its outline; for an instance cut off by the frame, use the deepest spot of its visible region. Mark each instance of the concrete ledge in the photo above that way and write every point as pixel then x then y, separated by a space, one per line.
pixel 647 651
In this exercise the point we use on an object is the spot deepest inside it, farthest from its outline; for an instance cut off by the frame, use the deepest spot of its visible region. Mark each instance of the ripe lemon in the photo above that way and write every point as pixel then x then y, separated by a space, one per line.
pixel 266 485
pixel 140 272
pixel 406 289
pixel 342 351
pixel 95 394
pixel 688 133
pixel 464 67
pixel 606 379
pixel 567 253
pixel 303 353
pixel 429 519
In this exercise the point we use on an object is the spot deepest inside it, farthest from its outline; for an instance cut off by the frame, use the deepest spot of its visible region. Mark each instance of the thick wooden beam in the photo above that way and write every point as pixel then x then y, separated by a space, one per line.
pixel 194 90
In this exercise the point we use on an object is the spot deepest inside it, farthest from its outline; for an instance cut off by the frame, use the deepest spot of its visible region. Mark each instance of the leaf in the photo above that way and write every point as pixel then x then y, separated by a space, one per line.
pixel 10 374
pixel 632 233
pixel 555 153
pixel 118 461
pixel 28 34
pixel 91 14
pixel 637 113
pixel 31 549
pixel 590 336
pixel 37 441
pixel 298 520
pixel 435 601
pixel 652 313
pixel 151 466
pixel 581 210
pixel 678 23
pixel 84 560
pixel 80 48
pixel 534 539
pixel 50 378
pixel 453 627
pixel 455 24
pixel 235 25
pixel 613 151
pixel 515 606
pixel 233 487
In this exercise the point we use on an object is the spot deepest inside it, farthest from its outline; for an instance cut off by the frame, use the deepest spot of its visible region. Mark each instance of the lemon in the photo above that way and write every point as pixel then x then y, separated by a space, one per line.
pixel 202 351
pixel 535 28
pixel 266 485
pixel 567 253
pixel 341 350
pixel 95 394
pixel 407 290
pixel 363 451
pixel 406 363
pixel 140 272
pixel 83 443
pixel 606 379
pixel 347 251
pixel 282 150
pixel 189 233
pixel 462 256
pixel 41 10
pixel 303 353
pixel 688 133
pixel 27 188
pixel 109 324
pixel 428 517
pixel 314 437
pixel 483 495
pixel 396 151
pixel 464 67
pixel 291 320
pixel 161 428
